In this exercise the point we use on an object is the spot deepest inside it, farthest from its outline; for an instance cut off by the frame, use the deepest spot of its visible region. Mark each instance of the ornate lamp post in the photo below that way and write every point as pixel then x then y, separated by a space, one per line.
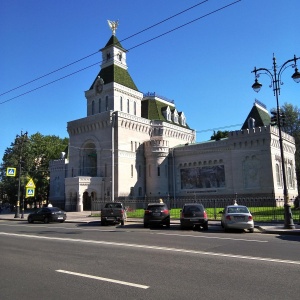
pixel 21 140
pixel 276 82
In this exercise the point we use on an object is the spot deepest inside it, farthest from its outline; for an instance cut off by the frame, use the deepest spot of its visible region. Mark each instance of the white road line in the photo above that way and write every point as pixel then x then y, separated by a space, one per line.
pixel 104 279
pixel 210 237
pixel 156 248
pixel 123 230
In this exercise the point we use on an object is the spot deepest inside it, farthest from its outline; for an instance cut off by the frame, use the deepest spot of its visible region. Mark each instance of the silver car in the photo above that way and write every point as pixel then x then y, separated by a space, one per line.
pixel 237 217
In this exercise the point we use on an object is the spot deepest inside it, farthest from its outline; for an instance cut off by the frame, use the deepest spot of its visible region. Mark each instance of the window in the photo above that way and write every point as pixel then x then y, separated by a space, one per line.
pixel 127 105
pixel 93 107
pixel 140 191
pixel 290 182
pixel 100 105
pixel 131 171
pixel 134 108
pixel 158 171
pixel 131 146
pixel 121 103
pixel 106 103
pixel 278 175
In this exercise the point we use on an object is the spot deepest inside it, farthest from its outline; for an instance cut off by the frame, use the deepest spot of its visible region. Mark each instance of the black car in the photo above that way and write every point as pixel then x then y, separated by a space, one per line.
pixel 47 214
pixel 157 214
pixel 193 214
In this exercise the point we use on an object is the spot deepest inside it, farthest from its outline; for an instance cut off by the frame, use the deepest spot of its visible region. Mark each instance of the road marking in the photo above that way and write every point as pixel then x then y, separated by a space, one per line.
pixel 156 248
pixel 105 279
pixel 210 237
pixel 123 230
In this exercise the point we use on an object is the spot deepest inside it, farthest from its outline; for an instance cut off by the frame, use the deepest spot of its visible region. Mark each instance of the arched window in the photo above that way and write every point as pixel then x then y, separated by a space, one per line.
pixel 290 180
pixel 93 107
pixel 106 103
pixel 278 175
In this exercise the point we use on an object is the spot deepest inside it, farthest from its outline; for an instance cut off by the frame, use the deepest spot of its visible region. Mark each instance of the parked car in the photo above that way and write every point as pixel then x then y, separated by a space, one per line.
pixel 47 214
pixel 237 217
pixel 113 213
pixel 156 214
pixel 193 215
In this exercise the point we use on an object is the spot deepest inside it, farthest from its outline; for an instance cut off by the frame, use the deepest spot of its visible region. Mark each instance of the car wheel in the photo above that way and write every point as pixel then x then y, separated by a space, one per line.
pixel 146 225
pixel 205 226
pixel 251 230
pixel 46 220
pixel 30 220
pixel 103 223
pixel 182 227
pixel 61 221
pixel 122 223
pixel 168 225
pixel 222 225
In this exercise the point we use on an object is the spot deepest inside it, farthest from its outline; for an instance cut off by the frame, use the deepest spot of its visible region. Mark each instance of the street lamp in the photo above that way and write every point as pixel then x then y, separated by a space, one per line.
pixel 275 83
pixel 21 138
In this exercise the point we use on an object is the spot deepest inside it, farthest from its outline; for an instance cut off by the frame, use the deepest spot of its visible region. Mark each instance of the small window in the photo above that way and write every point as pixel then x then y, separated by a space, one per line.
pixel 106 103
pixel 121 104
pixel 278 175
pixel 100 105
pixel 134 108
pixel 93 107
pixel 127 105
pixel 131 171
pixel 158 171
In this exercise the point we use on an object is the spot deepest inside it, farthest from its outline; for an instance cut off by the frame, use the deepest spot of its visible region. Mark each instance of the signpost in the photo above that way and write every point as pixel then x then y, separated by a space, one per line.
pixel 11 171
pixel 30 191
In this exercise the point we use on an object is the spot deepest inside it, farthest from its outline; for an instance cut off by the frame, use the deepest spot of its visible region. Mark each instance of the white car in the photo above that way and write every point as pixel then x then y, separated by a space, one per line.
pixel 237 217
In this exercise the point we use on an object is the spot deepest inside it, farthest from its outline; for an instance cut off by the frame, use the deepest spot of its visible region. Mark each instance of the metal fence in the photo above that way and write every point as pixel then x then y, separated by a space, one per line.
pixel 264 209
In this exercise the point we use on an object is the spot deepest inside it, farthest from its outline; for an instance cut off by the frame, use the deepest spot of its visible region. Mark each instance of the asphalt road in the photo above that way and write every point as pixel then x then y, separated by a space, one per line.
pixel 82 261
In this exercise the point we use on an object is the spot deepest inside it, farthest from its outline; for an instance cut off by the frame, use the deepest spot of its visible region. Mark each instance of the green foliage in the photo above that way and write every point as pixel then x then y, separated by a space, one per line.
pixel 219 135
pixel 33 154
pixel 292 127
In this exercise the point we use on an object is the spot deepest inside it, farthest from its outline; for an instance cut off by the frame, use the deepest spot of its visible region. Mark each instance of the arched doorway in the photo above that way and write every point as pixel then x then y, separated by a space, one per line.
pixel 86 201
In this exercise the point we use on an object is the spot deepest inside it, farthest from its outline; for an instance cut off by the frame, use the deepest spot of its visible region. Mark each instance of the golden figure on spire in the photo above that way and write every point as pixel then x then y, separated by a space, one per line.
pixel 113 25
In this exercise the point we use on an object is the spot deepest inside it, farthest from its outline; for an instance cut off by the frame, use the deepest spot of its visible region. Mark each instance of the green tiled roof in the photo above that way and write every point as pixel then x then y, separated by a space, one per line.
pixel 261 117
pixel 113 41
pixel 152 110
pixel 116 74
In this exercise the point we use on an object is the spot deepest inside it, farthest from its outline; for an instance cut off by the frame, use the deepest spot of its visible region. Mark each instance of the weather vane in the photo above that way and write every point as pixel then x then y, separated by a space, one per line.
pixel 113 25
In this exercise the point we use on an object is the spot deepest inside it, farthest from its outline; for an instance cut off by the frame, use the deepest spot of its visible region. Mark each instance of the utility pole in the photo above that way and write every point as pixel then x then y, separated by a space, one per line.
pixel 20 142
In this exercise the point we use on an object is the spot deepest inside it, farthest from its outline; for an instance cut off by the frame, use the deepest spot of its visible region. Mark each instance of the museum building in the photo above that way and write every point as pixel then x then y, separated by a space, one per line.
pixel 139 146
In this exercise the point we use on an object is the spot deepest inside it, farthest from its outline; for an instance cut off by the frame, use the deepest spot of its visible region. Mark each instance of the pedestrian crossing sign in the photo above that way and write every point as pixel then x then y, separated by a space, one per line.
pixel 10 171
pixel 30 184
pixel 29 192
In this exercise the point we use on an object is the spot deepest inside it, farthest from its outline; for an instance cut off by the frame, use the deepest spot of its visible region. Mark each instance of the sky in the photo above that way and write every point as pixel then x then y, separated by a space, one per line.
pixel 198 53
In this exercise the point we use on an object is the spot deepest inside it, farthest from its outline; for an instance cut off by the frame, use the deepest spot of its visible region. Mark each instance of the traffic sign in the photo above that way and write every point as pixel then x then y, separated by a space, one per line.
pixel 29 192
pixel 10 171
pixel 30 184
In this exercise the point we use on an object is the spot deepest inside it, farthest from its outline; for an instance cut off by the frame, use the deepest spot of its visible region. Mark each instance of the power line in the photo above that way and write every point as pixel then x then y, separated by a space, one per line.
pixel 188 23
pixel 70 64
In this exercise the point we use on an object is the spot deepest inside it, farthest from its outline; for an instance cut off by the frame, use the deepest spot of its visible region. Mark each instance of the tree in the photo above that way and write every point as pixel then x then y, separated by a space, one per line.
pixel 219 135
pixel 35 153
pixel 292 127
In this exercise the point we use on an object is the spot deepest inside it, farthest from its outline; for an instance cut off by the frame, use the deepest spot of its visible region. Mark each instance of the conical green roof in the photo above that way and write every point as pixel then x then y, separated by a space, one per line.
pixel 260 115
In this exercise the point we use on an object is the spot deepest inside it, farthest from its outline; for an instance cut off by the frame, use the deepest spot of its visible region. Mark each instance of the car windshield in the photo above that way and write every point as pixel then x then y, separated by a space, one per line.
pixel 192 208
pixel 238 209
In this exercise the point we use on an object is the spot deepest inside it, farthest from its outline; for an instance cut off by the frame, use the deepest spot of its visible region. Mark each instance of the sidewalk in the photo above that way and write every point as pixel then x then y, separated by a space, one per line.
pixel 85 217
